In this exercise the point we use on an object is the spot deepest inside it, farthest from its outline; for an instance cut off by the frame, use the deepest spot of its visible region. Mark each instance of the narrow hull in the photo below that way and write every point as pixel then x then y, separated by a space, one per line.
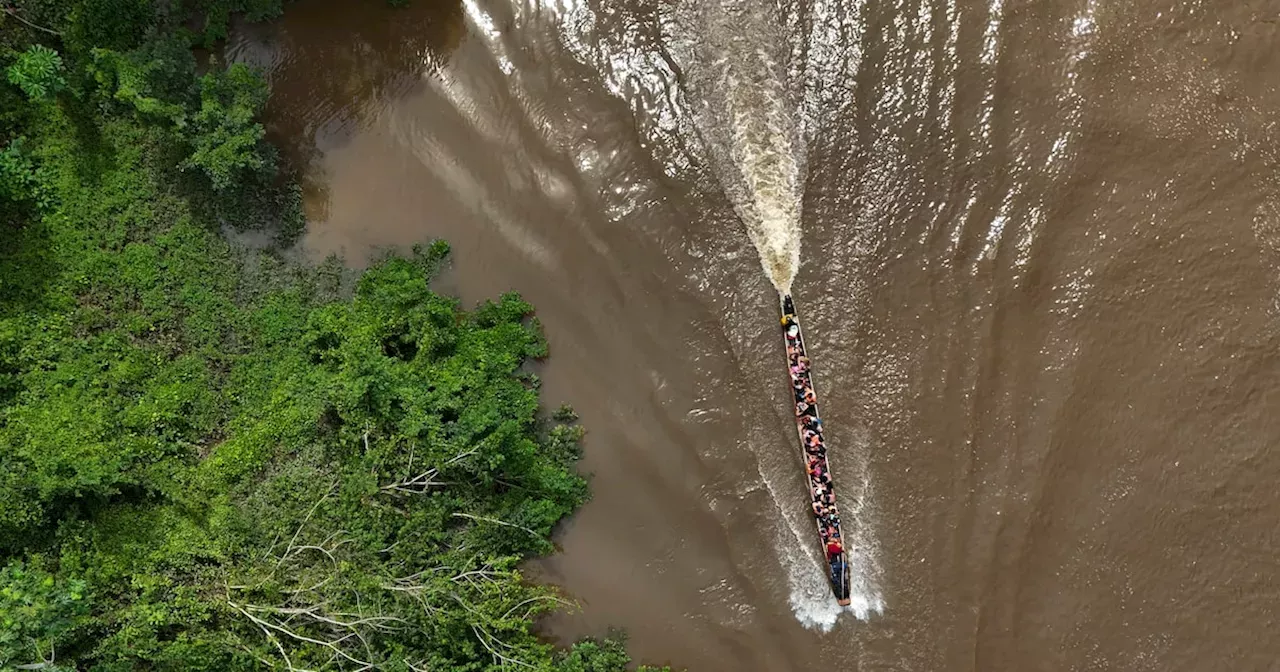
pixel 813 454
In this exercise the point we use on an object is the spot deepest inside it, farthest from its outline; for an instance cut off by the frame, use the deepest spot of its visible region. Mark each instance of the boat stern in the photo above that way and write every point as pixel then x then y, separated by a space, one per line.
pixel 839 576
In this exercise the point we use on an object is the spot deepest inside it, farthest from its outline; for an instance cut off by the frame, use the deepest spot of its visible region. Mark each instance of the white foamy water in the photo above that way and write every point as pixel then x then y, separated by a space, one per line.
pixel 745 112
pixel 728 82
pixel 809 593
pixel 770 172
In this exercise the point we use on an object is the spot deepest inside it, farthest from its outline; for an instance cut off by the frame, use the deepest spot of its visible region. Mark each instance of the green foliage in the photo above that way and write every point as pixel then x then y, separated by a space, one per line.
pixel 118 25
pixel 591 655
pixel 38 72
pixel 38 613
pixel 217 15
pixel 207 127
pixel 154 80
pixel 226 130
pixel 17 174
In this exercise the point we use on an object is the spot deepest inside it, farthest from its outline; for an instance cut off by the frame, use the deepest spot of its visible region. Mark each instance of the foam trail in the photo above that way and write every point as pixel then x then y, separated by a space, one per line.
pixel 809 594
pixel 748 116
pixel 755 142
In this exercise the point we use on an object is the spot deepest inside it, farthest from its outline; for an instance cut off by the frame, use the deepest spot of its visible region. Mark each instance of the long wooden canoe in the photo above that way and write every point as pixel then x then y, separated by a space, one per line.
pixel 813 454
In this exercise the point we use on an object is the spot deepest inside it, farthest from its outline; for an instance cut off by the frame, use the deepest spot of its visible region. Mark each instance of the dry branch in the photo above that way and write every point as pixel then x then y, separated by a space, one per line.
pixel 497 522
pixel 426 480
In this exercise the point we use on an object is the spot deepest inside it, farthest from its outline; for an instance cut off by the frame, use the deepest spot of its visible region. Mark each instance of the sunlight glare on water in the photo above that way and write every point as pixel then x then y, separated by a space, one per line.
pixel 1038 273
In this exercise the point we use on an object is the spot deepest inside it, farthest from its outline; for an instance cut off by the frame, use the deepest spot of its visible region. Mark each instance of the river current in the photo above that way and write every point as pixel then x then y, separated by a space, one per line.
pixel 1037 251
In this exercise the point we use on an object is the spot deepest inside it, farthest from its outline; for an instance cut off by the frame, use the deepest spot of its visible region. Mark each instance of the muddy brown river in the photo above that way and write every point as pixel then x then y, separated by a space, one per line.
pixel 1036 246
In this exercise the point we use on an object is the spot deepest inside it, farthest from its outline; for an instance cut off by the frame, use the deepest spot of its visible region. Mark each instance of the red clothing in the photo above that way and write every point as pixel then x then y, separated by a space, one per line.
pixel 834 548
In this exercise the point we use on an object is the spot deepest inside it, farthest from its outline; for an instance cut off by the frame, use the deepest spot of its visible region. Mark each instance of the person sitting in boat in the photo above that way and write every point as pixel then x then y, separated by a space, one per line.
pixel 819 509
pixel 793 331
pixel 834 547
pixel 829 496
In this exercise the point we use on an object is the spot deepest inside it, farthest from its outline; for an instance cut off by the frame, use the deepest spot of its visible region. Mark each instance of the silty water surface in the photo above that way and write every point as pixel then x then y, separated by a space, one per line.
pixel 1039 277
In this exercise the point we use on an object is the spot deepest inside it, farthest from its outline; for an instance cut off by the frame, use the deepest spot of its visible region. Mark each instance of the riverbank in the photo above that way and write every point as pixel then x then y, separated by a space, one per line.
pixel 212 458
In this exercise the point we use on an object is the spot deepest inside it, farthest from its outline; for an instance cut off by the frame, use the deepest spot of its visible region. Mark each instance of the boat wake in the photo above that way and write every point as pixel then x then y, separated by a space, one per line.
pixel 809 594
pixel 748 97
pixel 745 113
pixel 745 92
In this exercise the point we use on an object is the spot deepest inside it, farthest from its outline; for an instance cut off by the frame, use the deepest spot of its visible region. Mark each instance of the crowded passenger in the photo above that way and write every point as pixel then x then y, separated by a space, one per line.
pixel 822 489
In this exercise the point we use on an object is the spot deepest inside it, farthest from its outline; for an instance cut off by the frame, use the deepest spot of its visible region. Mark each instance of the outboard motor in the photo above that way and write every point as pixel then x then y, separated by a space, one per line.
pixel 839 576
